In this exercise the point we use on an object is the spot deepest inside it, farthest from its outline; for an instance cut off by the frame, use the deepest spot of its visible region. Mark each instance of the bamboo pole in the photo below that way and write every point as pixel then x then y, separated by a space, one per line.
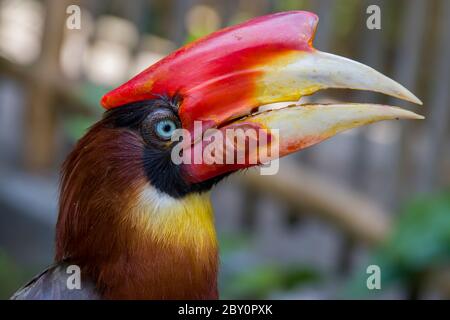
pixel 304 189
pixel 438 116
pixel 40 117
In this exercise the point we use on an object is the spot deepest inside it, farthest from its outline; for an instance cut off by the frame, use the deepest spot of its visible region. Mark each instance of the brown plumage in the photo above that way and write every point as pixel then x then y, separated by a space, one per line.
pixel 100 229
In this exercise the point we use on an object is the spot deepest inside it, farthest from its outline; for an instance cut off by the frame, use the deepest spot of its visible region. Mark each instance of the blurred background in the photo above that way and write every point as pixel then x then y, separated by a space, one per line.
pixel 374 196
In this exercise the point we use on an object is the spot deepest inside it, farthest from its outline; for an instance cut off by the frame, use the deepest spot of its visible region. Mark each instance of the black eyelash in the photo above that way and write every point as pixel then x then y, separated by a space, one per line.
pixel 174 101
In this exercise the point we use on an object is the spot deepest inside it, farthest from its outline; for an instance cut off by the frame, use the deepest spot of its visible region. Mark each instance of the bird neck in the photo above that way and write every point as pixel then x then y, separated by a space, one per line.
pixel 162 248
pixel 131 240
pixel 173 247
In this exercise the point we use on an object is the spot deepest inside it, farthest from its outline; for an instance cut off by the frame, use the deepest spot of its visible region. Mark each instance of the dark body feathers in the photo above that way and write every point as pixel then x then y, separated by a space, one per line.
pixel 52 285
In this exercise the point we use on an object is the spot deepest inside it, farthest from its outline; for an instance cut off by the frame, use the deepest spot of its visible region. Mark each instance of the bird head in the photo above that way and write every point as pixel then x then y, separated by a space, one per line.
pixel 220 82
pixel 122 174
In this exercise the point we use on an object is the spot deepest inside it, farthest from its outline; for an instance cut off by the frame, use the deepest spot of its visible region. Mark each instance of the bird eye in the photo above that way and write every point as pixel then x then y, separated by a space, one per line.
pixel 158 127
pixel 165 128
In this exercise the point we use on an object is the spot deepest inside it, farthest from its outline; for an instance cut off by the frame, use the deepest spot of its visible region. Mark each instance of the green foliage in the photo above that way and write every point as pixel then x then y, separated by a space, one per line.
pixel 11 277
pixel 90 94
pixel 422 236
pixel 420 241
pixel 241 281
pixel 288 5
pixel 233 242
pixel 260 282
pixel 345 18
pixel 76 126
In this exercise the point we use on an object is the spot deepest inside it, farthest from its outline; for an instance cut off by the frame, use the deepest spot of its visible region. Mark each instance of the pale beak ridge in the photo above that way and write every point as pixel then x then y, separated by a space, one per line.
pixel 303 73
pixel 301 126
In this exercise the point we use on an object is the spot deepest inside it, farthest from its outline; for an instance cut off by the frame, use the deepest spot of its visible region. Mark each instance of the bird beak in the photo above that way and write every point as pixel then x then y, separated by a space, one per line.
pixel 221 81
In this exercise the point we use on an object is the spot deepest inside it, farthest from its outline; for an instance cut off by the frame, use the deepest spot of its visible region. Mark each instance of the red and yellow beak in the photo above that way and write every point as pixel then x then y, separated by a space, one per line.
pixel 222 79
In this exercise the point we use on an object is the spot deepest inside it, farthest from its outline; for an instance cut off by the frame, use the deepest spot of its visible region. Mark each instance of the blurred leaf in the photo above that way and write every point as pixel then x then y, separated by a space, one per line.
pixel 345 17
pixel 422 235
pixel 191 38
pixel 261 281
pixel 420 241
pixel 11 277
pixel 232 242
pixel 91 94
pixel 77 126
pixel 288 5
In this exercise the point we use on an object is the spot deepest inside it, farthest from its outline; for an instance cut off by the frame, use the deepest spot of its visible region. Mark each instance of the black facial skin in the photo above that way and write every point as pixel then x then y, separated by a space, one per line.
pixel 161 172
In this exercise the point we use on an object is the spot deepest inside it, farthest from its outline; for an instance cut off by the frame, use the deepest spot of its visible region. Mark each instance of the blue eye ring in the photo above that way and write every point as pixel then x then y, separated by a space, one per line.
pixel 158 127
pixel 165 128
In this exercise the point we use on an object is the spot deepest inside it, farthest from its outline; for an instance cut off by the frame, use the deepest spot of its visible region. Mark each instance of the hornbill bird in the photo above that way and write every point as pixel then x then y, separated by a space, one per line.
pixel 139 225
